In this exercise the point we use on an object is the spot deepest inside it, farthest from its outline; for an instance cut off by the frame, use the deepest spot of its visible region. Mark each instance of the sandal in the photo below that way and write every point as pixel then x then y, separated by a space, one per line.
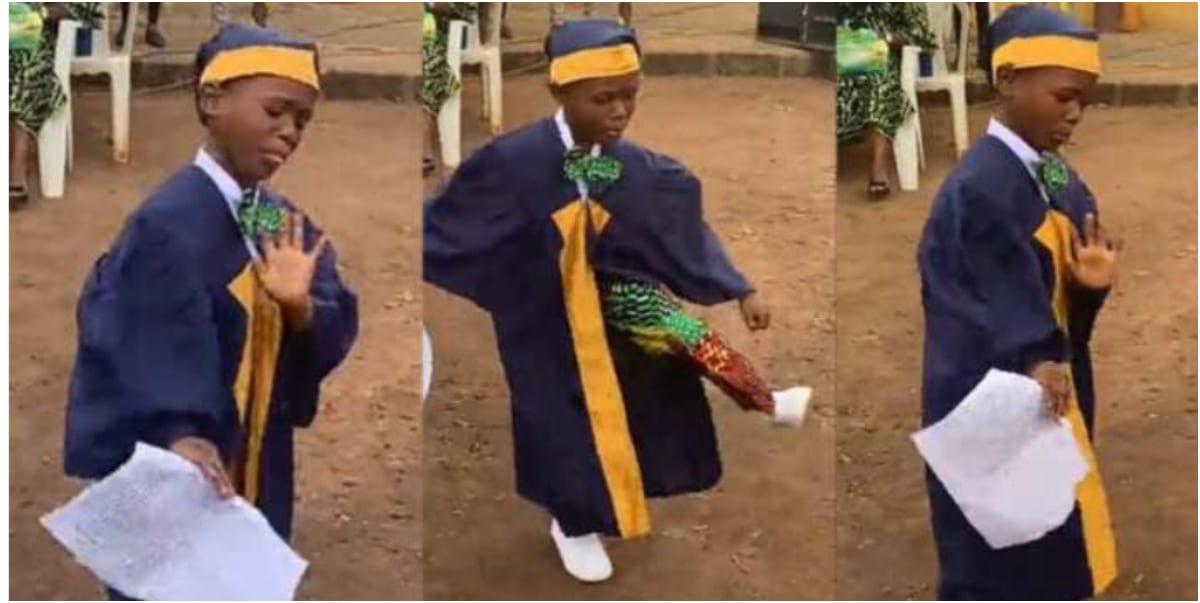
pixel 18 198
pixel 878 190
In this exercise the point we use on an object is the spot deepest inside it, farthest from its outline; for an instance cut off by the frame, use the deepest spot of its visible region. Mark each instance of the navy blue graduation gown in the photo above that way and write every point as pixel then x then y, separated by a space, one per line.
pixel 164 320
pixel 598 424
pixel 997 294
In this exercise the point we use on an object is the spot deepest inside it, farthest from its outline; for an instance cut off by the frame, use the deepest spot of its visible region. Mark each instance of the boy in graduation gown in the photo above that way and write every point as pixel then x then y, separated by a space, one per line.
pixel 577 242
pixel 1015 265
pixel 210 323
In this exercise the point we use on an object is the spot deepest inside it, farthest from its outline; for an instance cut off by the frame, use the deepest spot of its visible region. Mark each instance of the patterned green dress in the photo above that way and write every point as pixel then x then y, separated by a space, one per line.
pixel 876 101
pixel 438 82
pixel 34 93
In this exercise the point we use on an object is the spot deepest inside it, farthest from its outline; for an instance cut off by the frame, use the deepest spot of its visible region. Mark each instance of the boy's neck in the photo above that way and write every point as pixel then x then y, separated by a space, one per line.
pixel 222 158
pixel 1003 117
pixel 579 141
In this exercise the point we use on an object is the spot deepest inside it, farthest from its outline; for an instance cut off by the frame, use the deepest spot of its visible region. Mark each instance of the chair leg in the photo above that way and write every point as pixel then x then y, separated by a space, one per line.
pixel 120 111
pixel 449 124
pixel 905 147
pixel 958 106
pixel 495 95
pixel 52 154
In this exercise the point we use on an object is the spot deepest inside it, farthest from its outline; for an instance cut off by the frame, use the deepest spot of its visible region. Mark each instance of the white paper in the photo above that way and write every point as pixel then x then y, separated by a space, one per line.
pixel 1011 466
pixel 155 529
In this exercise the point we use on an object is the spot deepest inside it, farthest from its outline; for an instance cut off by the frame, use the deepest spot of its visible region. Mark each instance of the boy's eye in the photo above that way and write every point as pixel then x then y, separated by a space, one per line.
pixel 274 111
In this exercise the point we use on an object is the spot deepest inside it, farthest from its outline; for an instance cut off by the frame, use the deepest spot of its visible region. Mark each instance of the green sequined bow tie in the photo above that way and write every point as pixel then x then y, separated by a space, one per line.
pixel 1053 174
pixel 257 218
pixel 598 172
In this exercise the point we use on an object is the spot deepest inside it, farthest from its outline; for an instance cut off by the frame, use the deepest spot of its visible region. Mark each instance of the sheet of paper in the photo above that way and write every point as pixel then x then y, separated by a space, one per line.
pixel 156 530
pixel 1010 466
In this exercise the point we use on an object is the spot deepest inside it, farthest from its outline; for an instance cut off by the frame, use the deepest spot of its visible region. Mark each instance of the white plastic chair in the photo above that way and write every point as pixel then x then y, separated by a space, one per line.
pixel 465 47
pixel 426 364
pixel 945 78
pixel 117 65
pixel 907 145
pixel 54 139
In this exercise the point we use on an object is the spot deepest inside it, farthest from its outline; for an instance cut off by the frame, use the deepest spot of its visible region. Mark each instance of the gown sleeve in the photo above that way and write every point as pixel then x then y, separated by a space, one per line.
pixel 978 267
pixel 671 244
pixel 147 363
pixel 310 356
pixel 472 231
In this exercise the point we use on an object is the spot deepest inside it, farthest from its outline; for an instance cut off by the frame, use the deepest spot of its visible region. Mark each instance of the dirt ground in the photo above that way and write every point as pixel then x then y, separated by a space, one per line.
pixel 767 530
pixel 359 507
pixel 1141 164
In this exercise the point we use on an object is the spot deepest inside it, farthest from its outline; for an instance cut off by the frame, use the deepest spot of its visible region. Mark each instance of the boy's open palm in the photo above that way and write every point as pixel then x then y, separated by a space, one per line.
pixel 286 269
pixel 1093 259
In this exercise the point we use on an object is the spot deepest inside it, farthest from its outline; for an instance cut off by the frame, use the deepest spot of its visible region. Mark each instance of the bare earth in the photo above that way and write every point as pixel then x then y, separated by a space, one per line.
pixel 1141 164
pixel 764 151
pixel 359 506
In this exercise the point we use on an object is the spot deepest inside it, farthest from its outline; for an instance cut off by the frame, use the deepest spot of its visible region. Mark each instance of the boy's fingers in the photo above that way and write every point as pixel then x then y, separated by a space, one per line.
pixel 319 247
pixel 298 230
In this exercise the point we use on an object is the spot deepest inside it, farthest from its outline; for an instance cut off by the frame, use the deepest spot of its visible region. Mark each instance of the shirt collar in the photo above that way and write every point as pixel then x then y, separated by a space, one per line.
pixel 225 183
pixel 564 133
pixel 1029 157
pixel 229 188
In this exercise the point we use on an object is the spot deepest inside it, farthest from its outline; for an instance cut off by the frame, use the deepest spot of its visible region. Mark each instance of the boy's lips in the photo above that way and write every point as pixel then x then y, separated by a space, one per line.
pixel 274 159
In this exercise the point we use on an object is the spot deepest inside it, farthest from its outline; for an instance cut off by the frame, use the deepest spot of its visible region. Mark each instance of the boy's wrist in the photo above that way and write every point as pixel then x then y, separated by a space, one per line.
pixel 298 314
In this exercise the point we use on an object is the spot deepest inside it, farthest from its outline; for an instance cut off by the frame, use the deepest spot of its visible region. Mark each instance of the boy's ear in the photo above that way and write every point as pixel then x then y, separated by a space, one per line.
pixel 1005 79
pixel 208 100
pixel 555 91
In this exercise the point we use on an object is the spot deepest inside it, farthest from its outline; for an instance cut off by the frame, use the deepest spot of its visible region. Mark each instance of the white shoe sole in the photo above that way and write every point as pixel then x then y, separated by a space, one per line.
pixel 583 557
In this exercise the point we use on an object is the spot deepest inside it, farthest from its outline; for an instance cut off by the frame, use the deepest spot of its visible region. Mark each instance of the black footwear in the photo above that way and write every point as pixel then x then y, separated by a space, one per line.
pixel 18 198
pixel 878 190
pixel 154 37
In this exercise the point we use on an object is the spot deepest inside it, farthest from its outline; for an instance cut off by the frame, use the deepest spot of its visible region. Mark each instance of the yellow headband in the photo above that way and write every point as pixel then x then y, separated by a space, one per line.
pixel 607 61
pixel 1048 51
pixel 293 63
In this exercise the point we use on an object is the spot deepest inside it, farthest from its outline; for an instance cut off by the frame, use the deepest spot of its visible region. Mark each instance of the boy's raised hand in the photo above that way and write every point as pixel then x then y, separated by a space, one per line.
pixel 1056 386
pixel 286 270
pixel 204 455
pixel 755 314
pixel 1093 259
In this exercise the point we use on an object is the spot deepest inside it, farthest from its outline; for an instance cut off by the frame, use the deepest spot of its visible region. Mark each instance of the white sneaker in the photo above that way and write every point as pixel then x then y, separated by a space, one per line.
pixel 583 557
pixel 791 405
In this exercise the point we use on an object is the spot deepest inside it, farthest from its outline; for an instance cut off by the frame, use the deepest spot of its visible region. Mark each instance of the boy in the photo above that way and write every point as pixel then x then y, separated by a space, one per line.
pixel 1015 266
pixel 570 237
pixel 209 325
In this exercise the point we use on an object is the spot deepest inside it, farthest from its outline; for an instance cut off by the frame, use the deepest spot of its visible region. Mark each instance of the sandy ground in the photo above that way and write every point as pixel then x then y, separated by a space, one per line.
pixel 767 530
pixel 1141 164
pixel 359 506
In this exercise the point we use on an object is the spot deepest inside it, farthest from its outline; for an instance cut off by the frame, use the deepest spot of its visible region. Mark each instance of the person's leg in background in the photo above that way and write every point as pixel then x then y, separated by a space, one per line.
pixel 505 30
pixel 625 10
pixel 220 13
pixel 258 12
pixel 881 163
pixel 556 14
pixel 983 19
pixel 154 36
pixel 20 145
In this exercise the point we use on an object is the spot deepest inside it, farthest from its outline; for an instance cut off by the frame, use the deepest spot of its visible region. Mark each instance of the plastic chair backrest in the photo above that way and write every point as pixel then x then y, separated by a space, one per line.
pixel 945 35
pixel 64 50
pixel 102 39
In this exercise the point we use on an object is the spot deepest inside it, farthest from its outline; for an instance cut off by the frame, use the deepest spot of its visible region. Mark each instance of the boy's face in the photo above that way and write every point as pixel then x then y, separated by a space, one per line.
pixel 1045 104
pixel 599 109
pixel 257 122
